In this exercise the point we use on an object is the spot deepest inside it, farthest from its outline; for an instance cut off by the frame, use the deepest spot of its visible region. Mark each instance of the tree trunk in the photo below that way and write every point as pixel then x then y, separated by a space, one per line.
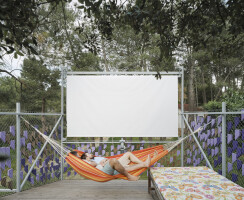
pixel 191 93
pixel 204 97
pixel 104 56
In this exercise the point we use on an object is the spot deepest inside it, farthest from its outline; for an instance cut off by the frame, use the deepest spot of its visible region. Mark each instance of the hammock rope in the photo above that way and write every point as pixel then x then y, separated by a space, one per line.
pixel 88 171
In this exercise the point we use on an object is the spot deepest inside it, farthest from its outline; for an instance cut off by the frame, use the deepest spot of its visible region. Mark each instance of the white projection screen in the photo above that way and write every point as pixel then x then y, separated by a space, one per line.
pixel 122 106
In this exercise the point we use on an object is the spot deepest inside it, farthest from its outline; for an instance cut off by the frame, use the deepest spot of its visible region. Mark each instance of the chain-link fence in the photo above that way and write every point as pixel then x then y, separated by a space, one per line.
pixel 211 141
pixel 40 170
pixel 47 167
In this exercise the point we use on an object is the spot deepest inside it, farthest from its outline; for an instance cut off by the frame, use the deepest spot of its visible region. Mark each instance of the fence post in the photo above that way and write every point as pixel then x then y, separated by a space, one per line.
pixel 18 153
pixel 224 139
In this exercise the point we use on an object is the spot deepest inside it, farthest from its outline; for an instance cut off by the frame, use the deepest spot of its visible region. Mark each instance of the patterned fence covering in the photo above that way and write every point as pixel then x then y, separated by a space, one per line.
pixel 210 139
pixel 48 166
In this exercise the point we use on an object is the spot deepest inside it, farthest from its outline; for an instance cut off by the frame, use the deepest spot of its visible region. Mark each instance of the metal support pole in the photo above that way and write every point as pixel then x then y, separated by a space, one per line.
pixel 62 120
pixel 224 139
pixel 18 153
pixel 182 116
pixel 198 144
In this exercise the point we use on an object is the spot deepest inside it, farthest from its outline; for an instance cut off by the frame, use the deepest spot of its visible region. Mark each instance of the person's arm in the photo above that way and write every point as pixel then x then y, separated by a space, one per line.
pixel 103 162
pixel 94 164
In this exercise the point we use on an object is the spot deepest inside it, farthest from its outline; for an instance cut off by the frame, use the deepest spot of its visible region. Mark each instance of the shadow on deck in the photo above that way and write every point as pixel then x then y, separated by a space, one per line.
pixel 86 189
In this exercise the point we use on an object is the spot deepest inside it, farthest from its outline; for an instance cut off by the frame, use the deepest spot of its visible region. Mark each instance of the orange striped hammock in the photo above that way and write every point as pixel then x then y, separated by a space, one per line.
pixel 88 171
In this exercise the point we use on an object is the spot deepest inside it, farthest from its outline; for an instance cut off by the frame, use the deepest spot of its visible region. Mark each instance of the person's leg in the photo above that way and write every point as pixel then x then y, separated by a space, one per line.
pixel 140 165
pixel 115 164
pixel 131 157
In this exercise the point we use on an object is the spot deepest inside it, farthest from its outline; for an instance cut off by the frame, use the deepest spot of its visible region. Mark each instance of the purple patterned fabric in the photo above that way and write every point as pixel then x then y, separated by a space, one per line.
pixel 37 178
pixel 239 164
pixel 25 135
pixel 238 152
pixel 26 168
pixel 3 136
pixel 203 145
pixel 8 163
pixel 21 175
pixel 22 141
pixel 208 118
pixel 229 126
pixel 235 145
pixel 229 167
pixel 12 130
pixel 2 165
pixel 234 177
pixel 37 163
pixel 219 160
pixel 12 144
pixel 233 157
pixel 212 141
pixel 30 159
pixel 237 134
pixel 212 152
pixel 7 151
pixel 29 146
pixel 236 121
pixel 229 138
pixel 219 130
pixel 219 120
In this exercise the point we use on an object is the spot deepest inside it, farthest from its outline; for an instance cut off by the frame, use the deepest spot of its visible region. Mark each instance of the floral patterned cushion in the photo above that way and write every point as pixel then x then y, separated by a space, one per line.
pixel 190 183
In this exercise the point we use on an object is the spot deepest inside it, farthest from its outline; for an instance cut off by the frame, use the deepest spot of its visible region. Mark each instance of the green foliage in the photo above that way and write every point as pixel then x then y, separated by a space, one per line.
pixel 9 93
pixel 41 90
pixel 19 20
pixel 213 106
pixel 234 101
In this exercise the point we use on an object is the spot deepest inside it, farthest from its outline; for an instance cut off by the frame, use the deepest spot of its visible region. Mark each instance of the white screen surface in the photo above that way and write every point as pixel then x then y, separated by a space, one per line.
pixel 122 106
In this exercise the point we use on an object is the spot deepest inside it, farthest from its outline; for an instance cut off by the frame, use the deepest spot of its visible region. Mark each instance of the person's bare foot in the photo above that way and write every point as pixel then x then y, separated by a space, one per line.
pixel 133 178
pixel 155 153
pixel 148 161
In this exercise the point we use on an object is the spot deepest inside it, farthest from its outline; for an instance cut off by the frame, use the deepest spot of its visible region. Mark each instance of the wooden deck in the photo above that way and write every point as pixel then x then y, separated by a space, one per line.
pixel 86 189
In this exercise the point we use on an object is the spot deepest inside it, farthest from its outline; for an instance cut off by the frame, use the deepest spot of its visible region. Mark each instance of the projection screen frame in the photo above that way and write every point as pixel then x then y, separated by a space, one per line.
pixel 180 74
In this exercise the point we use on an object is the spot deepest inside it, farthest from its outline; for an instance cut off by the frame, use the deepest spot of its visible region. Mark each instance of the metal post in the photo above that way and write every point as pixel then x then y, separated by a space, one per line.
pixel 18 153
pixel 182 116
pixel 62 120
pixel 224 139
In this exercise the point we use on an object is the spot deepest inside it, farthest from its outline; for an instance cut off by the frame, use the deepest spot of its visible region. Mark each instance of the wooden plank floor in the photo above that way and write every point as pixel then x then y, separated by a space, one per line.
pixel 86 189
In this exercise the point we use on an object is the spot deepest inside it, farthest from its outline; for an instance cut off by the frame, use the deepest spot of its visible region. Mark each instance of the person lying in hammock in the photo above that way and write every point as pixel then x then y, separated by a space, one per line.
pixel 113 166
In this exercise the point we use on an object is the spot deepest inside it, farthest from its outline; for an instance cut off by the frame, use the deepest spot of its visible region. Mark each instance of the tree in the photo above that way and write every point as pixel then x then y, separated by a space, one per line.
pixel 42 90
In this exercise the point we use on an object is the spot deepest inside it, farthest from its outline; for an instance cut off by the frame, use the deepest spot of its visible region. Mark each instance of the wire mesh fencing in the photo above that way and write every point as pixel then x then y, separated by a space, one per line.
pixel 8 150
pixel 210 141
pixel 47 166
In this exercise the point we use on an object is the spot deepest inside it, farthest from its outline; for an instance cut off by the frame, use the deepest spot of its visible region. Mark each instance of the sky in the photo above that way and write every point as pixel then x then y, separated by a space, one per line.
pixel 13 64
